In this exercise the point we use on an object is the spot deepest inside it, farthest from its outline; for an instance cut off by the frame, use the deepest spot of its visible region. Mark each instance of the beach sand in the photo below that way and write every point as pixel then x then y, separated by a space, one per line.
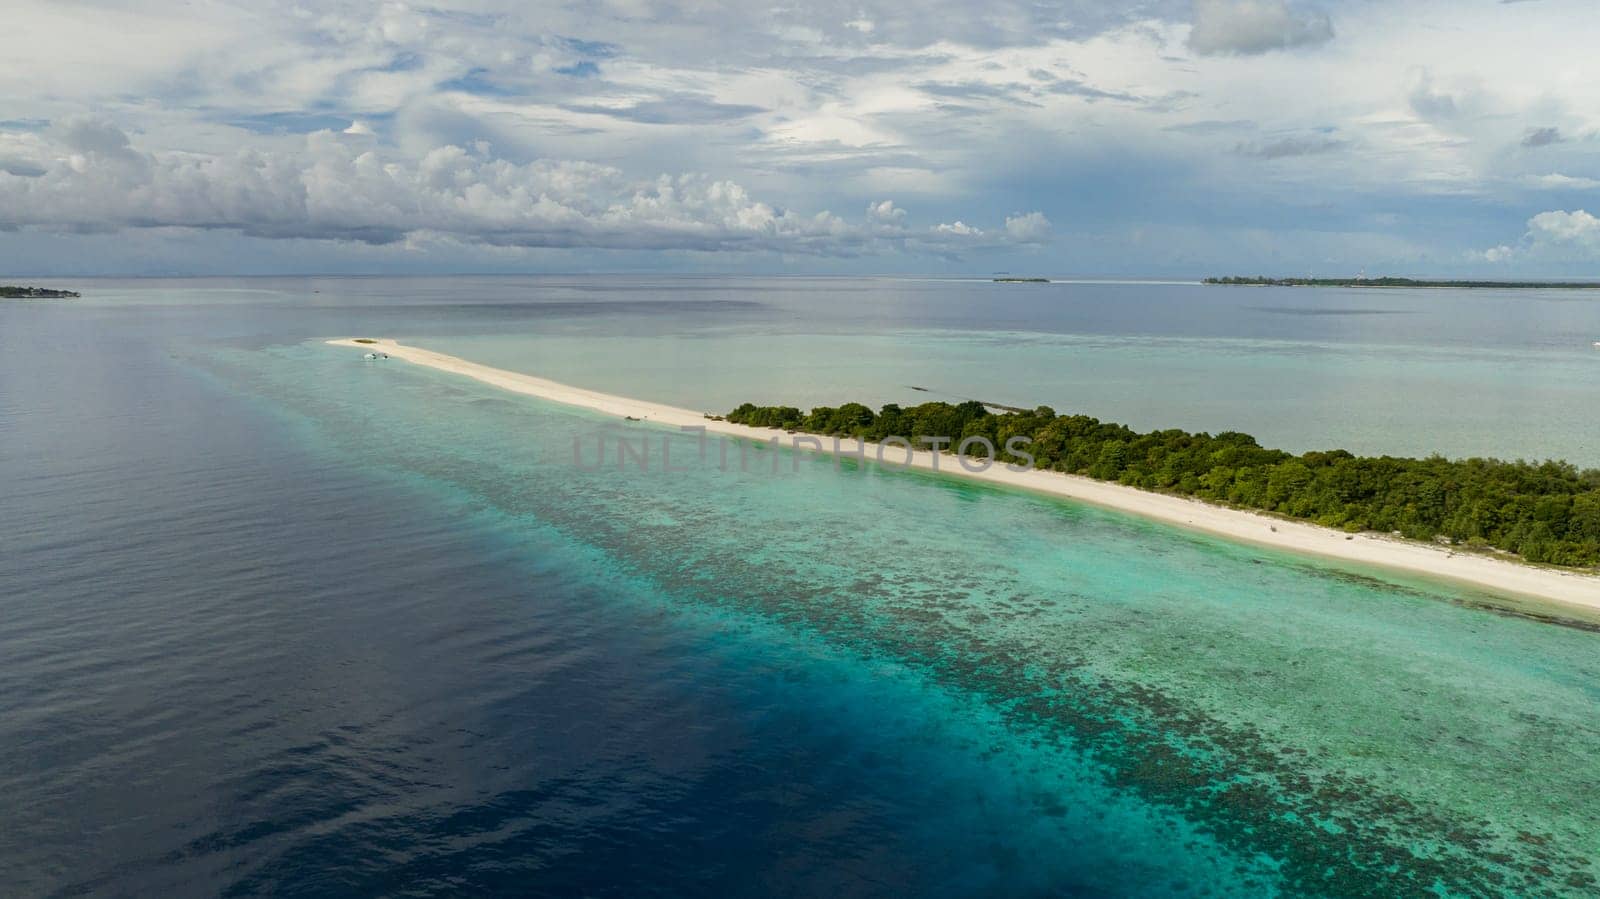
pixel 1379 551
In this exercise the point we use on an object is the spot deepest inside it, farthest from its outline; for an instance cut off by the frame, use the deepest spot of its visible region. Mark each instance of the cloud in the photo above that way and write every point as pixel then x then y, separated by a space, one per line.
pixel 1429 104
pixel 87 175
pixel 1287 147
pixel 1557 234
pixel 1556 181
pixel 581 69
pixel 1031 227
pixel 1213 126
pixel 1542 137
pixel 1077 87
pixel 1023 94
pixel 676 109
pixel 978 90
pixel 1098 107
pixel 96 138
pixel 1560 228
pixel 1250 27
pixel 886 213
pixel 21 168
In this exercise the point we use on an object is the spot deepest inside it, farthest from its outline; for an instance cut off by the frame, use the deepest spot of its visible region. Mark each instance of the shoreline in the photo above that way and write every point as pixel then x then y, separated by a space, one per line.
pixel 1505 576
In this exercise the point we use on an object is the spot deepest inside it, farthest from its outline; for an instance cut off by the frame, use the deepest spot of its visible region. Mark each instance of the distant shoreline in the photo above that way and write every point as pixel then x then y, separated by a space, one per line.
pixel 12 292
pixel 1235 281
pixel 1380 551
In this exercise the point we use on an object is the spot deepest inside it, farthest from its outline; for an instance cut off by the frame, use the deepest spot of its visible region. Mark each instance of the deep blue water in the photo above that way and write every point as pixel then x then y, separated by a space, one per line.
pixel 228 665
pixel 272 622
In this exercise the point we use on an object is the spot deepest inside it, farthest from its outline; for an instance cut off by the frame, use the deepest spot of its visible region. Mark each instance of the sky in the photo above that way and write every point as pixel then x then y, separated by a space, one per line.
pixel 853 136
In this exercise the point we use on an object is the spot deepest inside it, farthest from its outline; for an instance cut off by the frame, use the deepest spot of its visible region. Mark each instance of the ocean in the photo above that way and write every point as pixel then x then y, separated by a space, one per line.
pixel 274 619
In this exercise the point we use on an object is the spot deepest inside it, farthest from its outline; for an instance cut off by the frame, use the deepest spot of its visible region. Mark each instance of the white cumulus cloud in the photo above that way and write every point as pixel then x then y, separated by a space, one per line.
pixel 886 213
pixel 1577 228
pixel 1032 227
pixel 1556 234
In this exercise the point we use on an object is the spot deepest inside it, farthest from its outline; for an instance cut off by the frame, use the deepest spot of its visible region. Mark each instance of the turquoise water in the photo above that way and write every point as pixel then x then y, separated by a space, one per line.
pixel 293 622
pixel 1304 723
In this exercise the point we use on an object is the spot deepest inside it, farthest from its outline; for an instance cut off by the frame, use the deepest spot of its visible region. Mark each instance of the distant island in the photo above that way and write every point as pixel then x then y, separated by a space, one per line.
pixel 1022 280
pixel 1400 282
pixel 11 292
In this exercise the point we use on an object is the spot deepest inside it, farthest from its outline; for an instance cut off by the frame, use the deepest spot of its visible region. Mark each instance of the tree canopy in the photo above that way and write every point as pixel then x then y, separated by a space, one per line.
pixel 1544 511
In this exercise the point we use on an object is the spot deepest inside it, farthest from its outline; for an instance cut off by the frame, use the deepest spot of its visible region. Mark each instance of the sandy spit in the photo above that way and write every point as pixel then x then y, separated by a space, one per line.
pixel 1379 551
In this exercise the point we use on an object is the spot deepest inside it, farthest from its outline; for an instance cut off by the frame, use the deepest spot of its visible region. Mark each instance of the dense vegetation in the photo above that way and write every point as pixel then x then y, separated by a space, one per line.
pixel 1022 280
pixel 1260 281
pixel 1546 511
pixel 10 292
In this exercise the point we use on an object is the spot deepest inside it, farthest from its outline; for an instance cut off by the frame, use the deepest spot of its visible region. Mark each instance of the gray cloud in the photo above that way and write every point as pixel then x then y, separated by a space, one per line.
pixel 979 90
pixel 1249 27
pixel 1213 126
pixel 1022 94
pixel 1542 137
pixel 1430 104
pixel 1286 147
pixel 1076 88
pixel 806 107
pixel 831 159
pixel 21 168
pixel 866 23
pixel 676 109
pixel 87 175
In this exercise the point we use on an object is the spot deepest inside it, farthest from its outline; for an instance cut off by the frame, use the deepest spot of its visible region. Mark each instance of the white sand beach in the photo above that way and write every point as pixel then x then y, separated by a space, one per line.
pixel 1380 551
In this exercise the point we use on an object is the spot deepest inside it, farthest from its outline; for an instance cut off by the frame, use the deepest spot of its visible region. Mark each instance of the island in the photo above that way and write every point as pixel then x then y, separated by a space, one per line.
pixel 1022 280
pixel 1260 281
pixel 1546 512
pixel 12 292
pixel 1330 504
